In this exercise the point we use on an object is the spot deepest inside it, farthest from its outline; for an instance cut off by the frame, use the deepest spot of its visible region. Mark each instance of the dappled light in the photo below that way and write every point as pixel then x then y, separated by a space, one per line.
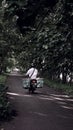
pixel 57 98
pixel 45 98
pixel 64 101
pixel 18 95
pixel 38 113
pixel 58 95
pixel 66 107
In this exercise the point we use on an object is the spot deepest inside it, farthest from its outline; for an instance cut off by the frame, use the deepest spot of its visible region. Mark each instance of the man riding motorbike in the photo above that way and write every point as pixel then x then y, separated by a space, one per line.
pixel 32 73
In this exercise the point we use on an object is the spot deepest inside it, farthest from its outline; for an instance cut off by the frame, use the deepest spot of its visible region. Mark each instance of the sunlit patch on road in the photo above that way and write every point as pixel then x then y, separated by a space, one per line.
pixel 45 98
pixel 68 107
pixel 58 95
pixel 56 98
pixel 17 94
pixel 39 113
pixel 64 101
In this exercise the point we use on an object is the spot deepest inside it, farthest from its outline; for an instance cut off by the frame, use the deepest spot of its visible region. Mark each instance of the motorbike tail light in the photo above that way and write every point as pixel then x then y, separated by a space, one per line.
pixel 33 81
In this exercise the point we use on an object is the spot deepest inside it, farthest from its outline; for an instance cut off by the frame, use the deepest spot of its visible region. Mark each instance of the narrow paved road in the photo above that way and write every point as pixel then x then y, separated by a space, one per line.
pixel 44 110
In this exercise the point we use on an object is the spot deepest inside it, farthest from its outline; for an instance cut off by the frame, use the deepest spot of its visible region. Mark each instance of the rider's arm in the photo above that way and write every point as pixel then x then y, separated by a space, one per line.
pixel 27 74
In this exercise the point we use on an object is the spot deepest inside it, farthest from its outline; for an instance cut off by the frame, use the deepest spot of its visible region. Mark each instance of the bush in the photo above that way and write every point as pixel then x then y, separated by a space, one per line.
pixel 5 109
pixel 65 88
pixel 2 79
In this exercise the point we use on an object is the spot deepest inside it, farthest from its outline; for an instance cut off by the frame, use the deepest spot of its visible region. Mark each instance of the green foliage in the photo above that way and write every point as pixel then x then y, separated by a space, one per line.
pixel 5 110
pixel 58 86
pixel 48 43
pixel 49 46
pixel 2 79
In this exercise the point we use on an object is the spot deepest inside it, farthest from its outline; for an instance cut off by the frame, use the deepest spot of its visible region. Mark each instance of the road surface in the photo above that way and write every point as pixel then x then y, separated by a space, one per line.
pixel 44 110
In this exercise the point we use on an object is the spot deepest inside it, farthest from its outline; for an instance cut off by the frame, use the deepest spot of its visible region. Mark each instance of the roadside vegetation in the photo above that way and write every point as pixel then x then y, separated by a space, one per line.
pixel 2 79
pixel 5 109
pixel 59 86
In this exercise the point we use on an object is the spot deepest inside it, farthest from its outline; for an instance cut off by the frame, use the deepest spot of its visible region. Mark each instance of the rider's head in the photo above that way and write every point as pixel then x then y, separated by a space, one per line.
pixel 33 65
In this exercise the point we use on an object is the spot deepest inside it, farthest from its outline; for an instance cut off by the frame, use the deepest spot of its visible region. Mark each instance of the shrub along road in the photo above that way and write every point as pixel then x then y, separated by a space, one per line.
pixel 44 110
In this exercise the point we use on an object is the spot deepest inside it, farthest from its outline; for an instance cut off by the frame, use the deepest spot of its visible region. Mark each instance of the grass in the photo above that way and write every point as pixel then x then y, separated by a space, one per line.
pixel 59 86
pixel 2 79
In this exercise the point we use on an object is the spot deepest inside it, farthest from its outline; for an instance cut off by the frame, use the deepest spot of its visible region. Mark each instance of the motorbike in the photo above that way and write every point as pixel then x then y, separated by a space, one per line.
pixel 33 85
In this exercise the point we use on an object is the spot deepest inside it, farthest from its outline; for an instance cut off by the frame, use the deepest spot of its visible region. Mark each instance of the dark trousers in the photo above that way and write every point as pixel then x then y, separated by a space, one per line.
pixel 31 84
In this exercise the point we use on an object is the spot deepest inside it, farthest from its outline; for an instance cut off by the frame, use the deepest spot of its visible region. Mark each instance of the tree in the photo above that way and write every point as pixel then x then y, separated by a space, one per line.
pixel 47 42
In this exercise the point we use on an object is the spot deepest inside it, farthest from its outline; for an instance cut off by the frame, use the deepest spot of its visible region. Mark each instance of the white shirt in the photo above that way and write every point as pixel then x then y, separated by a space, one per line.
pixel 32 72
